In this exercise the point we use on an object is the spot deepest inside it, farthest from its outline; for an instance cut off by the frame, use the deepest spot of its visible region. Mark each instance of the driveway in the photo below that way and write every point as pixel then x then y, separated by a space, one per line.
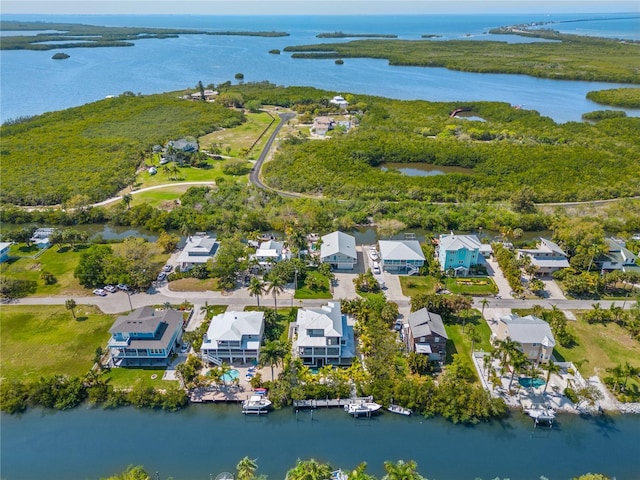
pixel 554 292
pixel 494 271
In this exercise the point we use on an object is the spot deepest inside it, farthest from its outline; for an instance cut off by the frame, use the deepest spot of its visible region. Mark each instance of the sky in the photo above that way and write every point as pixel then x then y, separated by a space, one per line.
pixel 320 7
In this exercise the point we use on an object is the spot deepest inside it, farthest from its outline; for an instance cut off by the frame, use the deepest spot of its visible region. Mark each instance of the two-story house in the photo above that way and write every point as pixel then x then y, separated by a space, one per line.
pixel 617 257
pixel 425 334
pixel 547 257
pixel 532 334
pixel 270 252
pixel 323 336
pixel 458 253
pixel 145 337
pixel 338 249
pixel 233 337
pixel 199 249
pixel 401 256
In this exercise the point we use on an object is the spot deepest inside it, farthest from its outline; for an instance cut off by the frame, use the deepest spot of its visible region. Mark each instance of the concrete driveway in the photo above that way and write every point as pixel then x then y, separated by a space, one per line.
pixel 493 269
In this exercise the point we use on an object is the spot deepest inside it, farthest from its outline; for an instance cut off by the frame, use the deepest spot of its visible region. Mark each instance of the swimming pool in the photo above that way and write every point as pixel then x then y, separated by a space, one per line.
pixel 231 375
pixel 531 382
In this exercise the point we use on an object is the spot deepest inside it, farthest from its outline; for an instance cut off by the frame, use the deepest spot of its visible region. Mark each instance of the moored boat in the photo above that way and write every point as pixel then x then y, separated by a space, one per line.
pixel 256 404
pixel 399 410
pixel 362 408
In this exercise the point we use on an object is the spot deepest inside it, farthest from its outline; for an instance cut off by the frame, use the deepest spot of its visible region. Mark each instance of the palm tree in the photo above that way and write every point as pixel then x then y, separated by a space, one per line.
pixel 246 469
pixel 223 370
pixel 359 473
pixel 401 470
pixel 484 302
pixel 629 371
pixel 309 470
pixel 126 199
pixel 71 305
pixel 276 287
pixel 256 288
pixel 271 354
pixel 473 335
pixel 551 368
pixel 518 362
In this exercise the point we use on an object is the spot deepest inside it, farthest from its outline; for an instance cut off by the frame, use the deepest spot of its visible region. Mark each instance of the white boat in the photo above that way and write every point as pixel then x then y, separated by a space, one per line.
pixel 374 255
pixel 362 408
pixel 399 410
pixel 256 404
pixel 542 415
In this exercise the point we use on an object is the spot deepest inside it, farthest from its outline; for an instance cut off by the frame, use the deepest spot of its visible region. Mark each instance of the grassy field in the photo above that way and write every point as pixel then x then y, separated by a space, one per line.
pixel 412 286
pixel 45 340
pixel 60 262
pixel 302 292
pixel 471 286
pixel 459 341
pixel 126 377
pixel 242 136
pixel 194 285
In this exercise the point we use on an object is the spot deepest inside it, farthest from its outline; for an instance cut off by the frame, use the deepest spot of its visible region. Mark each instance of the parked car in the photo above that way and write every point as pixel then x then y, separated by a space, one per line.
pixel 161 276
pixel 167 268
pixel 185 347
pixel 110 288
pixel 376 270
pixel 398 325
pixel 123 287
pixel 100 292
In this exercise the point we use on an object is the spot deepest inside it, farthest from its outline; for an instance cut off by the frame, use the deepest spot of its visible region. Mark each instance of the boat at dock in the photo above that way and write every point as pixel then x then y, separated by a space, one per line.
pixel 542 415
pixel 399 410
pixel 256 404
pixel 362 408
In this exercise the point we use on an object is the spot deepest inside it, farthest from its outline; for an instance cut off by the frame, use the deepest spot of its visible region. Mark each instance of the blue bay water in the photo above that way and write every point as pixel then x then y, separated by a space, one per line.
pixel 208 439
pixel 32 83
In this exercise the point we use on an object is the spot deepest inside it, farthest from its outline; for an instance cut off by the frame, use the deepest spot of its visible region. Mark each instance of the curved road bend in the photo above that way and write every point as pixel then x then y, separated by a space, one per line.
pixel 254 176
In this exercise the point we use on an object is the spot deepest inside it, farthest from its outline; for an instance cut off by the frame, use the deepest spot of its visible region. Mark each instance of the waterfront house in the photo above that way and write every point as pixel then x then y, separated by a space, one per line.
pixel 532 334
pixel 145 337
pixel 209 95
pixel 270 252
pixel 322 125
pixel 547 257
pixel 617 257
pixel 323 336
pixel 4 251
pixel 42 237
pixel 338 249
pixel 401 256
pixel 199 249
pixel 425 334
pixel 233 337
pixel 458 253
pixel 339 101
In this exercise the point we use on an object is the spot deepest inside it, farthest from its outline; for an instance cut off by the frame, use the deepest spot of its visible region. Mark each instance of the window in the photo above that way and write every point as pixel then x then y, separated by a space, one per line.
pixel 436 339
pixel 315 332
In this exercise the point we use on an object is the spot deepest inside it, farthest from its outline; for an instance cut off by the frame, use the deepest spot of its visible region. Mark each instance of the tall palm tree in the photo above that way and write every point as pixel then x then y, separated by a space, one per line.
pixel 276 287
pixel 473 335
pixel 309 470
pixel 484 302
pixel 518 362
pixel 551 368
pixel 256 288
pixel 246 469
pixel 126 199
pixel 71 305
pixel 401 470
pixel 359 473
pixel 223 370
pixel 272 353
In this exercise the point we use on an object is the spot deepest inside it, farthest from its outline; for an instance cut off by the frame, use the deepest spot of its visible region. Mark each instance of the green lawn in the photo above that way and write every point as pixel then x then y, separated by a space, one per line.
pixel 303 293
pixel 61 262
pixel 194 285
pixel 242 136
pixel 471 286
pixel 459 341
pixel 45 340
pixel 121 378
pixel 412 286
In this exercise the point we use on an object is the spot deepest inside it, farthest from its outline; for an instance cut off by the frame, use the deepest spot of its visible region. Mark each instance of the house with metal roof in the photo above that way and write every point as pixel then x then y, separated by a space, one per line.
pixel 532 333
pixel 547 257
pixel 424 333
pixel 338 249
pixel 460 252
pixel 323 336
pixel 401 256
pixel 233 337
pixel 145 337
pixel 617 257
pixel 198 249
pixel 270 252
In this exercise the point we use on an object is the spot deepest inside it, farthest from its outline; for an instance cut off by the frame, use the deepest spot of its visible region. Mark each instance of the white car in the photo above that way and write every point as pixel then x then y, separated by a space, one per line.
pixel 161 276
pixel 110 288
pixel 123 287
pixel 374 255
pixel 376 270
pixel 100 292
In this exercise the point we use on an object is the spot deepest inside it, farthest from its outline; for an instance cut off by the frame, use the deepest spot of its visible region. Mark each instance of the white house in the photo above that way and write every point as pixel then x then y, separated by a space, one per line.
pixel 323 336
pixel 617 257
pixel 547 257
pixel 198 249
pixel 270 252
pixel 401 256
pixel 41 237
pixel 233 337
pixel 339 101
pixel 338 249
pixel 532 333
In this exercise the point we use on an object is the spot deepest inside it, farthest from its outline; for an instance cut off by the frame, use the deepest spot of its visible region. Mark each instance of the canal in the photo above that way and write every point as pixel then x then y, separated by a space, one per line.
pixel 205 440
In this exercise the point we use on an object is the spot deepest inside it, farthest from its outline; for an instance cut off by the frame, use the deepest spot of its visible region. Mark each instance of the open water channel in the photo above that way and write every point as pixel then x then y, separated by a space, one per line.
pixel 209 439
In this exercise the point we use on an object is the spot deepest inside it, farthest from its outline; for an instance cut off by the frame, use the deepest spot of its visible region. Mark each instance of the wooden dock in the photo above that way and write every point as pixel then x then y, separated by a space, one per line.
pixel 328 402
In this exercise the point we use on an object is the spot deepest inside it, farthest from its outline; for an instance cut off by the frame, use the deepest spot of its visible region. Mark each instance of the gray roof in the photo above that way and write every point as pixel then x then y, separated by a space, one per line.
pixel 400 250
pixel 230 326
pixel 423 322
pixel 149 320
pixel 338 242
pixel 328 318
pixel 528 330
pixel 453 242
pixel 199 249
